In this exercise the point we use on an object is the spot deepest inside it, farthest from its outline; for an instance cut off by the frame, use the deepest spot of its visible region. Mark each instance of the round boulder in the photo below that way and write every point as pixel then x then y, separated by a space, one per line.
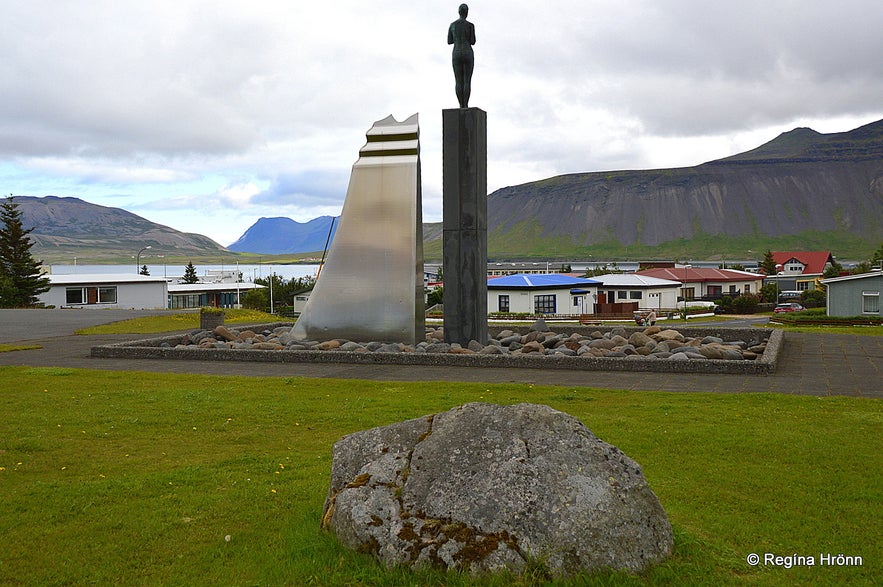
pixel 484 487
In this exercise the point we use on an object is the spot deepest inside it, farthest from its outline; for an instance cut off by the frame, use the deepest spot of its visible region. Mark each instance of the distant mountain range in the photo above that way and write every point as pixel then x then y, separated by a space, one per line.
pixel 276 236
pixel 65 228
pixel 801 191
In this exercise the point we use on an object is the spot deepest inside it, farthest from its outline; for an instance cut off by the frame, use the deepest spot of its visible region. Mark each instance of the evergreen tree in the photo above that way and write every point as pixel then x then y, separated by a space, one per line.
pixel 20 278
pixel 768 265
pixel 190 274
pixel 877 257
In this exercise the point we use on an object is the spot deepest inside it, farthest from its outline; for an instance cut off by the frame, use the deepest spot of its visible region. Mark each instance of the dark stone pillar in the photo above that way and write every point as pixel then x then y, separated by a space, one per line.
pixel 464 185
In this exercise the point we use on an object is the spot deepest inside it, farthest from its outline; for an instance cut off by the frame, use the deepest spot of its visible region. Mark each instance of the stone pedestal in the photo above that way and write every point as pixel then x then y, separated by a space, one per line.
pixel 464 186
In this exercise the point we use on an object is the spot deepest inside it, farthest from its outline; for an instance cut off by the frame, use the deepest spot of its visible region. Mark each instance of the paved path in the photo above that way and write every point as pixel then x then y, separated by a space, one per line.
pixel 809 364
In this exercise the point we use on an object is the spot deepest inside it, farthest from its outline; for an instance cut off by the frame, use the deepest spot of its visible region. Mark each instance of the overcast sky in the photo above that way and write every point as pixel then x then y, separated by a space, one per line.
pixel 206 115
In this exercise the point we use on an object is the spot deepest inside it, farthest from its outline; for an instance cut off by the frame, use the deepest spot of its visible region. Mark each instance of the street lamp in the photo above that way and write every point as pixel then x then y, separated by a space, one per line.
pixel 138 259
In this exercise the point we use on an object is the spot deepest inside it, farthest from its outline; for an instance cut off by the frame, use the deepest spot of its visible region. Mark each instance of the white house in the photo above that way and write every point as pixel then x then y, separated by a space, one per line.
pixel 219 294
pixel 648 292
pixel 541 294
pixel 106 290
pixel 854 295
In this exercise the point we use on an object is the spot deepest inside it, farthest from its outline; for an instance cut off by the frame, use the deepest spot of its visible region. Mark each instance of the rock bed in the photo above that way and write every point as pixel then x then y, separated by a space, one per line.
pixel 273 343
pixel 652 343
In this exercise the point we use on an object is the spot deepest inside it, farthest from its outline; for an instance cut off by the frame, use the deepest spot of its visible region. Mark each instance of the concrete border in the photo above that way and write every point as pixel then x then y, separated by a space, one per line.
pixel 152 348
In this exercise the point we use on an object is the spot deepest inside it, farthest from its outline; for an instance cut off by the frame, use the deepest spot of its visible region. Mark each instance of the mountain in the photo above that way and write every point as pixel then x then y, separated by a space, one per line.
pixel 65 228
pixel 819 191
pixel 272 236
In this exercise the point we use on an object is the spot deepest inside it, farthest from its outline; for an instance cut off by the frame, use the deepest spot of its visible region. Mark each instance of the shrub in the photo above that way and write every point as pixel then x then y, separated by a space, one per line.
pixel 813 298
pixel 745 304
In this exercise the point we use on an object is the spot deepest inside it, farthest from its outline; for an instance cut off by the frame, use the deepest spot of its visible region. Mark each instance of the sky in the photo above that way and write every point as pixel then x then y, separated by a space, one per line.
pixel 207 115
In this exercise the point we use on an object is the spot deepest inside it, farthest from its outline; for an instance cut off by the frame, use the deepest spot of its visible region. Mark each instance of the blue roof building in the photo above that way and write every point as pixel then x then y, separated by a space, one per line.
pixel 542 294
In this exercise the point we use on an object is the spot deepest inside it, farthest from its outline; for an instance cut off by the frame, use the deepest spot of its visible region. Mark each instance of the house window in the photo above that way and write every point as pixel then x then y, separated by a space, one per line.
pixel 715 290
pixel 622 295
pixel 748 288
pixel 75 295
pixel 688 293
pixel 636 295
pixel 503 302
pixel 802 285
pixel 107 295
pixel 870 302
pixel 545 304
pixel 90 295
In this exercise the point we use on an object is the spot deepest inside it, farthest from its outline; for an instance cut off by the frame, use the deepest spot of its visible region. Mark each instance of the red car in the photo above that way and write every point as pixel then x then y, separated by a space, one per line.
pixel 789 307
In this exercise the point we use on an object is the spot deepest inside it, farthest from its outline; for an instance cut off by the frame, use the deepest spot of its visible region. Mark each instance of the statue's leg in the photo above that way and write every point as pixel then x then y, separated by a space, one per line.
pixel 468 66
pixel 459 77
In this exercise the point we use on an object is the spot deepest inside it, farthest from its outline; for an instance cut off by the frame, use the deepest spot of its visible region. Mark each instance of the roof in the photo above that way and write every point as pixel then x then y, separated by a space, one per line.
pixel 700 274
pixel 814 261
pixel 635 280
pixel 95 278
pixel 540 281
pixel 851 277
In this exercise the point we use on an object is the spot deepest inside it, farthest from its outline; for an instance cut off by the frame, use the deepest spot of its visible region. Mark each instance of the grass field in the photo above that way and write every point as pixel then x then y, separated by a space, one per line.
pixel 8 348
pixel 153 479
pixel 173 322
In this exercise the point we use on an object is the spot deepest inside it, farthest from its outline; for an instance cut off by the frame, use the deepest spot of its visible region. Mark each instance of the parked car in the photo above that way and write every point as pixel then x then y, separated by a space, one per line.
pixel 789 307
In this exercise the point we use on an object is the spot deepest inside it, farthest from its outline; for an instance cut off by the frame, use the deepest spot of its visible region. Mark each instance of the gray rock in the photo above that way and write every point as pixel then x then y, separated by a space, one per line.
pixel 732 355
pixel 539 325
pixel 492 349
pixel 639 339
pixel 564 351
pixel 350 346
pixel 482 488
pixel 474 346
pixel 711 339
pixel 438 347
pixel 508 340
pixel 393 347
pixel 628 350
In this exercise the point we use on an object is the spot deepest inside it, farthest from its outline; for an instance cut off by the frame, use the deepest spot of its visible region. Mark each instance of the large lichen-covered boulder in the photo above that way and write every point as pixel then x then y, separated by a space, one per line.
pixel 484 487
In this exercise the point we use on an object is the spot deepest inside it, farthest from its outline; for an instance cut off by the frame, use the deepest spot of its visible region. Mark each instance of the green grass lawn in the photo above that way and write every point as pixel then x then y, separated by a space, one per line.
pixel 8 348
pixel 153 479
pixel 174 322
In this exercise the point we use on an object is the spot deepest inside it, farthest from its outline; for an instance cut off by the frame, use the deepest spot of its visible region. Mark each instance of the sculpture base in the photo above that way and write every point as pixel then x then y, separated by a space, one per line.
pixel 464 237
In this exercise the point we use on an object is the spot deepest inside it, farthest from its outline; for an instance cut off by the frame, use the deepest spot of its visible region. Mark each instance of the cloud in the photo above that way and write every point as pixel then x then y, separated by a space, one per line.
pixel 256 108
pixel 305 189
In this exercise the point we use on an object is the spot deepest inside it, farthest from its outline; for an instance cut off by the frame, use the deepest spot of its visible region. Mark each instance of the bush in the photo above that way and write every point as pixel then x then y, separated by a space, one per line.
pixel 813 298
pixel 745 304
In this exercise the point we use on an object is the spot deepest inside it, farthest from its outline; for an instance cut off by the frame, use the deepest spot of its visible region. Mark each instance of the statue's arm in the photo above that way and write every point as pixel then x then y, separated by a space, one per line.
pixel 471 34
pixel 451 34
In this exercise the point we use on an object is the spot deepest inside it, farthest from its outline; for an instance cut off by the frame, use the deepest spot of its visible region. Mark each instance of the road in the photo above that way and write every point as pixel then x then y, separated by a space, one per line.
pixel 809 364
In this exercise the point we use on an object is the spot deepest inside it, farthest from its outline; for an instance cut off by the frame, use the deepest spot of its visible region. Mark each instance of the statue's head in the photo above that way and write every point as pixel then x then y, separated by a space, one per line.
pixel 464 10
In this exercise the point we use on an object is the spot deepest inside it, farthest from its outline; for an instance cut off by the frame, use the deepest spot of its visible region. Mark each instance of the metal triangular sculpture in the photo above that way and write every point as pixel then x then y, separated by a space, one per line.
pixel 371 286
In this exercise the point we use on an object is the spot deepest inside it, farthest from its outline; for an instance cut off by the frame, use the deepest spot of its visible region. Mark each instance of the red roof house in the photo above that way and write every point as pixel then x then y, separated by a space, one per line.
pixel 707 281
pixel 807 263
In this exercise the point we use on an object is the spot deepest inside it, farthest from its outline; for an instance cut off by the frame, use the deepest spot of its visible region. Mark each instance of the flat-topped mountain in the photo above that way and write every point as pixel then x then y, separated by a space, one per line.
pixel 817 190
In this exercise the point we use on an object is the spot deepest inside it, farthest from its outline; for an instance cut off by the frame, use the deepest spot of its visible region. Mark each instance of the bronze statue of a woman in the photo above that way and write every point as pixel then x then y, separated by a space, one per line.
pixel 461 34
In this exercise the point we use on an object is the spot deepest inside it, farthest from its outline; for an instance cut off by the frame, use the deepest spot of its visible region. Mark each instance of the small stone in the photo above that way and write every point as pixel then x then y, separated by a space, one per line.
pixel 223 333
pixel 539 325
